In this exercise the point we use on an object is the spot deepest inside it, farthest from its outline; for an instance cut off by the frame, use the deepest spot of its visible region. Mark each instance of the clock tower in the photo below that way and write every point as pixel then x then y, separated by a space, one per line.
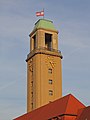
pixel 44 69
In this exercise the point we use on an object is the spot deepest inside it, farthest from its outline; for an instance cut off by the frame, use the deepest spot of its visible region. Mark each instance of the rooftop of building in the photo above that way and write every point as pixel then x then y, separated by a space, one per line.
pixel 84 114
pixel 67 105
pixel 44 24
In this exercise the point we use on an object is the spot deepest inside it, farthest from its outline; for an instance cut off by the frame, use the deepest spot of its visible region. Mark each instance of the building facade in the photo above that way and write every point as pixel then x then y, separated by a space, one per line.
pixel 44 69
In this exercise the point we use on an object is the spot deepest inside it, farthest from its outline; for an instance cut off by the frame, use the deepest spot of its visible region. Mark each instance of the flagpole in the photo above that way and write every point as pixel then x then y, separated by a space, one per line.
pixel 43 11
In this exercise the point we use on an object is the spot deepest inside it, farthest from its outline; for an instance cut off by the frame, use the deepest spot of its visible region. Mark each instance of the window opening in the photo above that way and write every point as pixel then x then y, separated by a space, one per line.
pixel 50 70
pixel 32 105
pixel 50 92
pixel 50 81
pixel 34 38
pixel 48 41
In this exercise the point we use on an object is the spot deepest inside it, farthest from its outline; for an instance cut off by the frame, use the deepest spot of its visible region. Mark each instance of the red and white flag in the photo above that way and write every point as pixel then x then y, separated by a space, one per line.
pixel 40 13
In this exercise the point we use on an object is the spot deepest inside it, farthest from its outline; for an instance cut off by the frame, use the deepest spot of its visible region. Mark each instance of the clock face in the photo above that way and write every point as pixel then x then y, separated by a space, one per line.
pixel 50 61
pixel 30 65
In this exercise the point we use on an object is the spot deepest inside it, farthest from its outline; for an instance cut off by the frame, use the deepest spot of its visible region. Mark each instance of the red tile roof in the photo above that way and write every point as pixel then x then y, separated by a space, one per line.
pixel 65 105
pixel 84 114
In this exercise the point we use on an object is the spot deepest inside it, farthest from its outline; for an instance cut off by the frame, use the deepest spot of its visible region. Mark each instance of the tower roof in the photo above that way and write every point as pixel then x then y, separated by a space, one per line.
pixel 44 24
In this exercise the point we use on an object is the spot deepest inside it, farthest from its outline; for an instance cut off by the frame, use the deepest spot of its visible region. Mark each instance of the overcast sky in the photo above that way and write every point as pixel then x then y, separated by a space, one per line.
pixel 17 18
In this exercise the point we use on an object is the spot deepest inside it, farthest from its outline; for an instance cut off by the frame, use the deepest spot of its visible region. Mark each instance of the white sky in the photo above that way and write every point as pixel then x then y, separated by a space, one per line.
pixel 17 18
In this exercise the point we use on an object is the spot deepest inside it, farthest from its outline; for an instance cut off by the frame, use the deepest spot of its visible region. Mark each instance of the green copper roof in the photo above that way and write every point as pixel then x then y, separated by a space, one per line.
pixel 45 24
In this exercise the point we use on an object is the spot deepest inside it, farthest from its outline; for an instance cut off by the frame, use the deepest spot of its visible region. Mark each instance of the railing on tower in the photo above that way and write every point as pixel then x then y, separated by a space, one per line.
pixel 43 49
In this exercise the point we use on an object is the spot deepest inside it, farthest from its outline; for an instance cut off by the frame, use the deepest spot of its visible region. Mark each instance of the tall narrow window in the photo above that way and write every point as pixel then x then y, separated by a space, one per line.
pixel 32 105
pixel 32 83
pixel 48 41
pixel 34 38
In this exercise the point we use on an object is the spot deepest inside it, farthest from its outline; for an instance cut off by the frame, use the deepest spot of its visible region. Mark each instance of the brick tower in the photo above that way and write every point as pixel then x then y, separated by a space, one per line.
pixel 44 69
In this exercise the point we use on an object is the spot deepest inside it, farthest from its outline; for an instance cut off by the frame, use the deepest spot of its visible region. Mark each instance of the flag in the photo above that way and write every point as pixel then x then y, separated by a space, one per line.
pixel 40 13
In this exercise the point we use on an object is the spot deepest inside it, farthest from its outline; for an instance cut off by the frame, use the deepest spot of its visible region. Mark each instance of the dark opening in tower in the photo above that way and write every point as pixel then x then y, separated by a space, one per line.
pixel 48 41
pixel 34 38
